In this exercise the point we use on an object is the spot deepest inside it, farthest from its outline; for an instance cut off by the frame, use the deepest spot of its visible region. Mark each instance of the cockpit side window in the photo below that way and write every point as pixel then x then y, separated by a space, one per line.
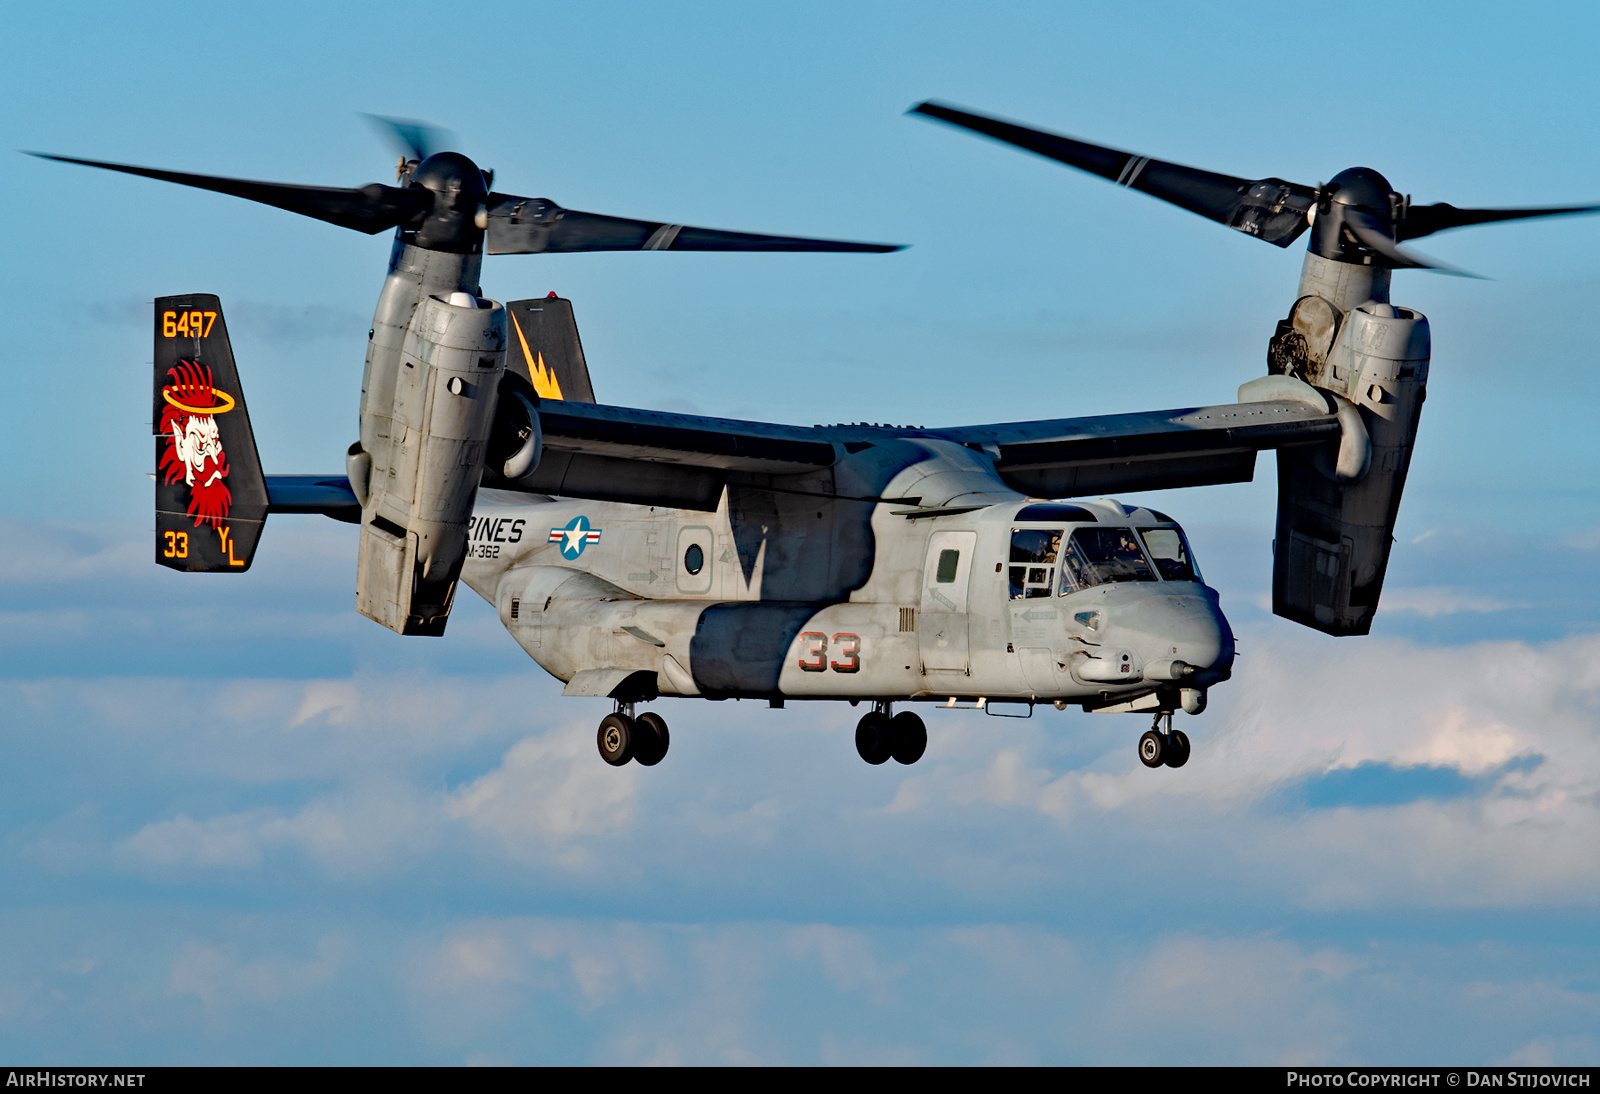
pixel 1099 556
pixel 1034 553
pixel 1170 554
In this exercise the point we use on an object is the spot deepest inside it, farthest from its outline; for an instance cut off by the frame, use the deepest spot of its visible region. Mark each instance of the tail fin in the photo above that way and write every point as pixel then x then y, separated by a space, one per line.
pixel 211 498
pixel 544 349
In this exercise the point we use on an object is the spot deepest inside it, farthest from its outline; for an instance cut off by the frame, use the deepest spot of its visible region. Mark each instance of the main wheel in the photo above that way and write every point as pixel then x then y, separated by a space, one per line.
pixel 1178 753
pixel 615 739
pixel 874 739
pixel 650 738
pixel 908 737
pixel 1152 749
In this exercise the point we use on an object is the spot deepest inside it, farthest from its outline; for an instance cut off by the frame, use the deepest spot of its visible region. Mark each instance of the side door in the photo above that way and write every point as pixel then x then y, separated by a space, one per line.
pixel 942 622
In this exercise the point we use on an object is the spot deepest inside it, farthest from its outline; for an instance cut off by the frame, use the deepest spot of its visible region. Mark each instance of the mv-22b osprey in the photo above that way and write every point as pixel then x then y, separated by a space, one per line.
pixel 636 554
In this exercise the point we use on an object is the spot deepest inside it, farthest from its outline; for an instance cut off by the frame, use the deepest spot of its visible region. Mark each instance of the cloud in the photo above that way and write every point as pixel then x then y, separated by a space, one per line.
pixel 33 551
pixel 628 992
pixel 221 841
pixel 221 979
pixel 845 956
pixel 361 831
pixel 551 788
pixel 1477 811
pixel 1259 1001
pixel 1323 776
pixel 1454 737
pixel 764 896
pixel 1553 1052
pixel 1431 601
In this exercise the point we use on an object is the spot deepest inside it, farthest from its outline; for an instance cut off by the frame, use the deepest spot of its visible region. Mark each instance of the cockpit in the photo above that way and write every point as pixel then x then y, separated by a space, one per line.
pixel 1049 562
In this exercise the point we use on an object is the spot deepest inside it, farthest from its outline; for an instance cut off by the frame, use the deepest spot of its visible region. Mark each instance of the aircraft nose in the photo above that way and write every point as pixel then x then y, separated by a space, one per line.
pixel 1189 628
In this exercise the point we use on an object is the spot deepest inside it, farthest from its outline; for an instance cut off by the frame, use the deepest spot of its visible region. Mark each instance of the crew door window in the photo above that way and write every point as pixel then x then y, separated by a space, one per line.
pixel 1034 554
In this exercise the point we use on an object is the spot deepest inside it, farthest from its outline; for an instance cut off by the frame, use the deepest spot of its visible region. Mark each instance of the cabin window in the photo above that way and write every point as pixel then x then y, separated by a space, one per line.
pixel 694 559
pixel 1099 556
pixel 949 562
pixel 1033 561
pixel 1170 554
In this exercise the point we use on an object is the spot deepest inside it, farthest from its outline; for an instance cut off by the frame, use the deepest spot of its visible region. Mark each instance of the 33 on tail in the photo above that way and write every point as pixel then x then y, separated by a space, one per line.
pixel 211 498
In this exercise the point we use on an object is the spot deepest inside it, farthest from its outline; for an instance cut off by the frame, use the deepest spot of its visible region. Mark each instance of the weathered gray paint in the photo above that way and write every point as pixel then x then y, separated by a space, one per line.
pixel 618 610
pixel 427 403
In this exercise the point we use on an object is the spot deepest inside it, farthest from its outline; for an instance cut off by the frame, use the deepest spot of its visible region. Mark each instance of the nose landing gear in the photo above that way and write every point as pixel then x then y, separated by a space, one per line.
pixel 880 736
pixel 622 737
pixel 1162 745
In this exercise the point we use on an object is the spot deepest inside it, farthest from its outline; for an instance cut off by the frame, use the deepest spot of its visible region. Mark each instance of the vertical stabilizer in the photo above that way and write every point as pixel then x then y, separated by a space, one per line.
pixel 211 498
pixel 545 351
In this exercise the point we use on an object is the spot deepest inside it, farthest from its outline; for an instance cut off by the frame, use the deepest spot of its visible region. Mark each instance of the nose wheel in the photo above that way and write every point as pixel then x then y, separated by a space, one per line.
pixel 622 737
pixel 1163 746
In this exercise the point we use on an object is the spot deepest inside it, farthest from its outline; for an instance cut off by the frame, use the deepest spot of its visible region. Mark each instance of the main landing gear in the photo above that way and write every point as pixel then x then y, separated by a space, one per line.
pixel 881 734
pixel 1163 745
pixel 623 737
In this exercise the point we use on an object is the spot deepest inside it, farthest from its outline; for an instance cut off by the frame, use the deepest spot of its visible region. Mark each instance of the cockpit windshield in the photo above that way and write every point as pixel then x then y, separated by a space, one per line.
pixel 1170 554
pixel 1099 556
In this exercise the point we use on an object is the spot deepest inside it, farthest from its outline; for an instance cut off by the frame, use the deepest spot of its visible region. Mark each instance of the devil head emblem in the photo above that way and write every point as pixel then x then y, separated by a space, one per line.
pixel 194 441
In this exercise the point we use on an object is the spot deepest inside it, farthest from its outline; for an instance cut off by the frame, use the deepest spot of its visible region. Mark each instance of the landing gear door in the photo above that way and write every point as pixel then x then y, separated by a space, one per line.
pixel 942 615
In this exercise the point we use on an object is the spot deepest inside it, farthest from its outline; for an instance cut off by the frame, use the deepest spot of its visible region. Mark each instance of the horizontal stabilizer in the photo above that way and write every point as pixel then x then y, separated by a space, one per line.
pixel 329 495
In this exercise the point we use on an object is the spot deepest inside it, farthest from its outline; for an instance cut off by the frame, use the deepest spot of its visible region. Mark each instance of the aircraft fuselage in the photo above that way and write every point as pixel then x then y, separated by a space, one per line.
pixel 791 595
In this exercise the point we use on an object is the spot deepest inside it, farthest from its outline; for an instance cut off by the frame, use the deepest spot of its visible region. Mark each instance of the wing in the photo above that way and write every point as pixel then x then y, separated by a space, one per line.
pixel 649 457
pixel 1150 450
pixel 520 225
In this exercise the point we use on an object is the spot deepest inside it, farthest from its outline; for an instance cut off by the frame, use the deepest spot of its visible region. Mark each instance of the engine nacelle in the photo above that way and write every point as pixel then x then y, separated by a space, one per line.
pixel 427 450
pixel 1336 516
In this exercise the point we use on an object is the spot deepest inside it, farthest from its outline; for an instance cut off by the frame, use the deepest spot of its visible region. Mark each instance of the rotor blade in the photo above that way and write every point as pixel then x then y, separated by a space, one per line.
pixel 413 139
pixel 1424 220
pixel 520 225
pixel 1373 234
pixel 370 209
pixel 1270 208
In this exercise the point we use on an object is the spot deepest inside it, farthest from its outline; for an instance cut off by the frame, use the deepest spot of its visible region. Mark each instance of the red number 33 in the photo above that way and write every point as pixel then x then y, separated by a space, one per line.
pixel 815 644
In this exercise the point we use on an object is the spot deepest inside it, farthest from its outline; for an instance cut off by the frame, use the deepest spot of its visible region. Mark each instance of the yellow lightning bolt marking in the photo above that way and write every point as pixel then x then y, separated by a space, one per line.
pixel 544 379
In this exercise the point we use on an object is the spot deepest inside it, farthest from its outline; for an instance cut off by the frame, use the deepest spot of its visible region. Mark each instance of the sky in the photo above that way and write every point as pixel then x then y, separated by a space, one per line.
pixel 241 824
